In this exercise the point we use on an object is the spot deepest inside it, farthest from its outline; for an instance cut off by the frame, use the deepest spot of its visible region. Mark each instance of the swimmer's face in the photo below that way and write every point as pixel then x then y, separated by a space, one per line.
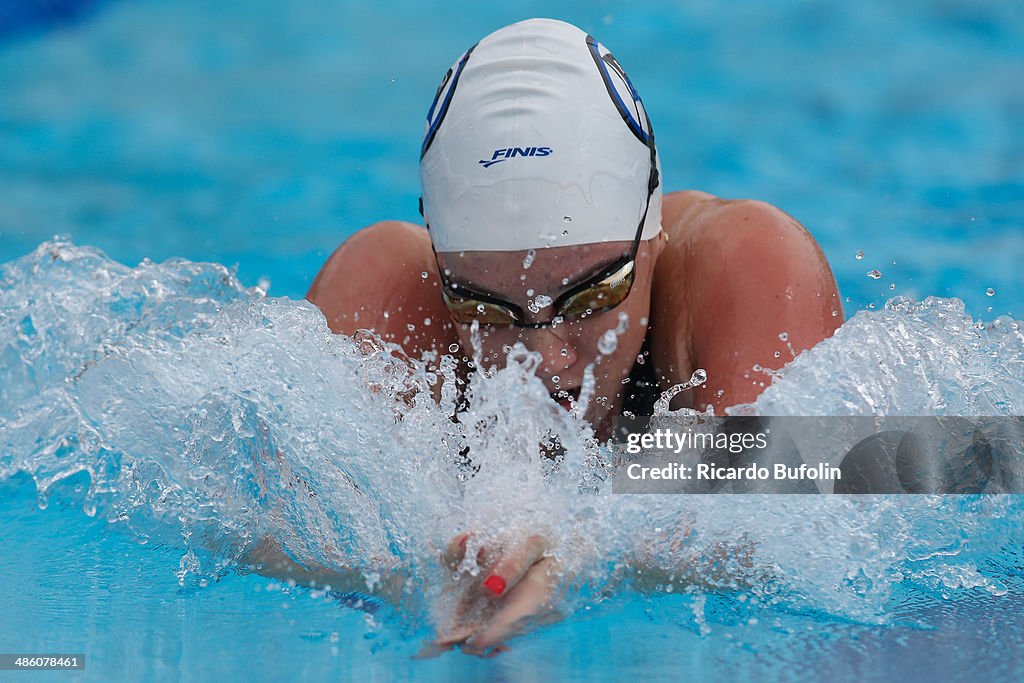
pixel 568 347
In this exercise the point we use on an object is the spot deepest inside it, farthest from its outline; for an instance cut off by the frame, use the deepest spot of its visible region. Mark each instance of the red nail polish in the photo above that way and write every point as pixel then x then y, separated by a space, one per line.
pixel 462 541
pixel 495 584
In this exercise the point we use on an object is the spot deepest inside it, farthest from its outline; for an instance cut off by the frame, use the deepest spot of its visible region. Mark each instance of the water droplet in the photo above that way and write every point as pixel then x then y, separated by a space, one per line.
pixel 608 342
pixel 874 274
pixel 480 308
pixel 871 306
pixel 542 301
pixel 529 292
pixel 424 275
pixel 565 281
pixel 783 336
pixel 835 314
pixel 453 348
pixel 447 272
pixel 859 255
pixel 556 379
pixel 777 354
pixel 567 219
pixel 990 292
pixel 426 321
pixel 565 352
pixel 522 278
pixel 528 260
pixel 386 315
pixel 410 327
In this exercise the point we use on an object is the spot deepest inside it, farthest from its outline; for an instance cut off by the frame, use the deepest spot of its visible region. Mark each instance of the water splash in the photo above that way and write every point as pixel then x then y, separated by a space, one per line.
pixel 911 358
pixel 661 406
pixel 609 341
pixel 209 416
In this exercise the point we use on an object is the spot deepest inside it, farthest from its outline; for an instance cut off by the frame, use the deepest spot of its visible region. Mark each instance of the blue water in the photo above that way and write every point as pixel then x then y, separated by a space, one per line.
pixel 262 133
pixel 136 623
pixel 135 399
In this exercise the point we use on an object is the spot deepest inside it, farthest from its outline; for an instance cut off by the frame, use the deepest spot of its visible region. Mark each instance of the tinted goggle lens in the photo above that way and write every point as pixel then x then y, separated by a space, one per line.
pixel 602 295
pixel 466 310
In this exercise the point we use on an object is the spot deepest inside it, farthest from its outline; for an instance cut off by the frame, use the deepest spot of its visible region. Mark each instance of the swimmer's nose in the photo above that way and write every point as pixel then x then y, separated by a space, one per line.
pixel 558 354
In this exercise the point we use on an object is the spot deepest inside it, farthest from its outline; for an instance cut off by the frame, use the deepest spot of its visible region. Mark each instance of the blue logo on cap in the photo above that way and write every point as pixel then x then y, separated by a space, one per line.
pixel 504 153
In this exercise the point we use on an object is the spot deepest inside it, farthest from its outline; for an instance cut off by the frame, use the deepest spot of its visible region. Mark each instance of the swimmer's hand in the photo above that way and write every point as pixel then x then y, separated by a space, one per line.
pixel 514 592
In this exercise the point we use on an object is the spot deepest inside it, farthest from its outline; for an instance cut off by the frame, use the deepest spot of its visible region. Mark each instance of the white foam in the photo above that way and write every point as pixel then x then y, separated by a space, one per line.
pixel 209 415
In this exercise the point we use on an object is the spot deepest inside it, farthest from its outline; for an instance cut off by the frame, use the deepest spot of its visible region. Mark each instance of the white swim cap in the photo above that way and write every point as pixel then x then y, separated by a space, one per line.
pixel 536 138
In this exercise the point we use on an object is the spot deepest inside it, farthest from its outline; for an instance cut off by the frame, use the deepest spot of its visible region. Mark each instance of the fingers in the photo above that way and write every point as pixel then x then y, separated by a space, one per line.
pixel 527 603
pixel 455 551
pixel 503 602
pixel 513 566
pixel 432 649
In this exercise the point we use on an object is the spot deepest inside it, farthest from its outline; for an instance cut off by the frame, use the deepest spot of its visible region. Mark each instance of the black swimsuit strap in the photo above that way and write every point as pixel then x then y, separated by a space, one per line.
pixel 641 392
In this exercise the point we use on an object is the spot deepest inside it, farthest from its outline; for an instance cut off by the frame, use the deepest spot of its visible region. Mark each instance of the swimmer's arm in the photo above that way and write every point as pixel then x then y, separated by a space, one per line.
pixel 762 292
pixel 267 558
pixel 722 566
pixel 374 281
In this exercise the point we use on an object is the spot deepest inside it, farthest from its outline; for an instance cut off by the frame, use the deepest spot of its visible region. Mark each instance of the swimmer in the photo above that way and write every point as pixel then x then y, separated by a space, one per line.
pixel 545 223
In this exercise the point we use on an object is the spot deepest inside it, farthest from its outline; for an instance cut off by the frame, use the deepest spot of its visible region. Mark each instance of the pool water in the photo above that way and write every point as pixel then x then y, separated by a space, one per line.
pixel 137 623
pixel 262 133
pixel 137 400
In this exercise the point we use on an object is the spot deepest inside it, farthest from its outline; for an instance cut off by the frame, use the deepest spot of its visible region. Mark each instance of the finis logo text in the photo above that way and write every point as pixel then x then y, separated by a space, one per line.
pixel 502 154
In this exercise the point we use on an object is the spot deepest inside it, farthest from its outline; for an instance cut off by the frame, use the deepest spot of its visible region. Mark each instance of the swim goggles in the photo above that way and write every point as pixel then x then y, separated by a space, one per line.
pixel 597 294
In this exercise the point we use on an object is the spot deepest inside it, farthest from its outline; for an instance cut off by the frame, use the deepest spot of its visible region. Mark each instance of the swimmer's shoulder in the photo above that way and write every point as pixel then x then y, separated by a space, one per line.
pixel 733 277
pixel 390 243
pixel 678 209
pixel 696 221
pixel 374 281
